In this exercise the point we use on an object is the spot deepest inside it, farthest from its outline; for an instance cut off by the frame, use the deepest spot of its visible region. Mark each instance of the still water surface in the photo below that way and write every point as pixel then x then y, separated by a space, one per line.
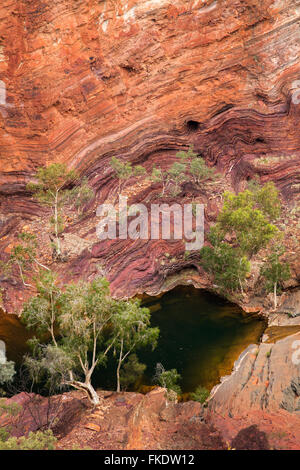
pixel 201 336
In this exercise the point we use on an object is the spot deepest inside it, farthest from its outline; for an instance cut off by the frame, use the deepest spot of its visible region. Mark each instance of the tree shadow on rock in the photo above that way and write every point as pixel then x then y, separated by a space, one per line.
pixel 250 438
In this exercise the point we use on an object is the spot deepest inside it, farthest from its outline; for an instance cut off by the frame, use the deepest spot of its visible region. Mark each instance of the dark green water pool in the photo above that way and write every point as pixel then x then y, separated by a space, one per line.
pixel 201 336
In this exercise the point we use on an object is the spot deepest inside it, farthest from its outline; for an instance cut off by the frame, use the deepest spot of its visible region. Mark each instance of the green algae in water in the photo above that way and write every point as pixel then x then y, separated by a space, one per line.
pixel 201 336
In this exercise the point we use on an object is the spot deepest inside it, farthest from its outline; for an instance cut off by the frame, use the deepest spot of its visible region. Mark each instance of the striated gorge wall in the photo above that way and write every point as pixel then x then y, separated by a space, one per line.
pixel 82 81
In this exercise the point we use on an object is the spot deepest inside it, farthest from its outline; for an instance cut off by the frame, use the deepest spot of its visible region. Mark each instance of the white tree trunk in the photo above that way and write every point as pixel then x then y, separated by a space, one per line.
pixel 275 295
pixel 119 367
pixel 88 389
pixel 56 224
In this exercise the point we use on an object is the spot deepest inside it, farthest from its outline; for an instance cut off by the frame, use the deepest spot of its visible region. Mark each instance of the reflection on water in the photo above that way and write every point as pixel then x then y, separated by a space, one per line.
pixel 200 335
pixel 14 335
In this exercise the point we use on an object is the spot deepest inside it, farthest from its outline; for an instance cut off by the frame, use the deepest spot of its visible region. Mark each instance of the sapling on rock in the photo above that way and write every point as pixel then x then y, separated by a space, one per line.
pixel 24 255
pixel 275 272
pixel 84 323
pixel 131 325
pixel 52 189
pixel 124 170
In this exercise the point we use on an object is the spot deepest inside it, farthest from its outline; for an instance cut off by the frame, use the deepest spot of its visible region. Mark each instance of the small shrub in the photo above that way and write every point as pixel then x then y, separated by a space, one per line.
pixel 200 394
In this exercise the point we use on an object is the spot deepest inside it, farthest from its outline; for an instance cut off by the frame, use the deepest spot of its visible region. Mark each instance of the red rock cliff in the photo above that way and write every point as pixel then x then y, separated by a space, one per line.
pixel 82 81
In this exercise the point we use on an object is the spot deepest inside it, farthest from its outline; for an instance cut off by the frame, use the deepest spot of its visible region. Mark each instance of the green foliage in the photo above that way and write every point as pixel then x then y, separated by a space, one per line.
pixel 200 394
pixel 132 371
pixel 7 372
pixel 24 254
pixel 275 272
pixel 51 181
pixel 87 311
pixel 227 265
pixel 10 409
pixel 40 440
pixel 188 155
pixel 131 326
pixel 90 323
pixel 252 230
pixel 188 166
pixel 196 166
pixel 167 378
pixel 245 221
pixel 267 198
pixel 48 365
pixel 52 190
pixel 159 176
pixel 200 171
pixel 81 195
pixel 254 184
pixel 80 314
pixel 139 170
pixel 241 217
pixel 124 170
pixel 40 313
pixel 176 175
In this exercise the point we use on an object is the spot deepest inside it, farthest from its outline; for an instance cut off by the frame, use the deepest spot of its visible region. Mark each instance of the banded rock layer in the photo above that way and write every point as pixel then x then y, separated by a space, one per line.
pixel 141 79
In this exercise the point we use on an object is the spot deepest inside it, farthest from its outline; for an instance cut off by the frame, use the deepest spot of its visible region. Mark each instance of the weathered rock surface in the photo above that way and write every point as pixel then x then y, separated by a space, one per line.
pixel 141 80
pixel 263 390
pixel 83 81
pixel 122 421
pixel 132 421
pixel 291 305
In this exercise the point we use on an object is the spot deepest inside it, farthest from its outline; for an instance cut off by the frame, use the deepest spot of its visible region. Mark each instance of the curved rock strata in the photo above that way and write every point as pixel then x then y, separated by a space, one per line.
pixel 141 80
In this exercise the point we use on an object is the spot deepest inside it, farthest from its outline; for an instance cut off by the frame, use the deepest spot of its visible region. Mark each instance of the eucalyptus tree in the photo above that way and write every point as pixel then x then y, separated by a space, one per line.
pixel 123 171
pixel 196 166
pixel 41 312
pixel 244 227
pixel 275 272
pixel 160 176
pixel 247 218
pixel 24 255
pixel 188 166
pixel 131 325
pixel 52 189
pixel 177 175
pixel 75 320
pixel 84 323
pixel 226 263
pixel 200 172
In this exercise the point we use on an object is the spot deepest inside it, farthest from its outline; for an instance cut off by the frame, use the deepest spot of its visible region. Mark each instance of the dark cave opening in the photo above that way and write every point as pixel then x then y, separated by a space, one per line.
pixel 192 126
